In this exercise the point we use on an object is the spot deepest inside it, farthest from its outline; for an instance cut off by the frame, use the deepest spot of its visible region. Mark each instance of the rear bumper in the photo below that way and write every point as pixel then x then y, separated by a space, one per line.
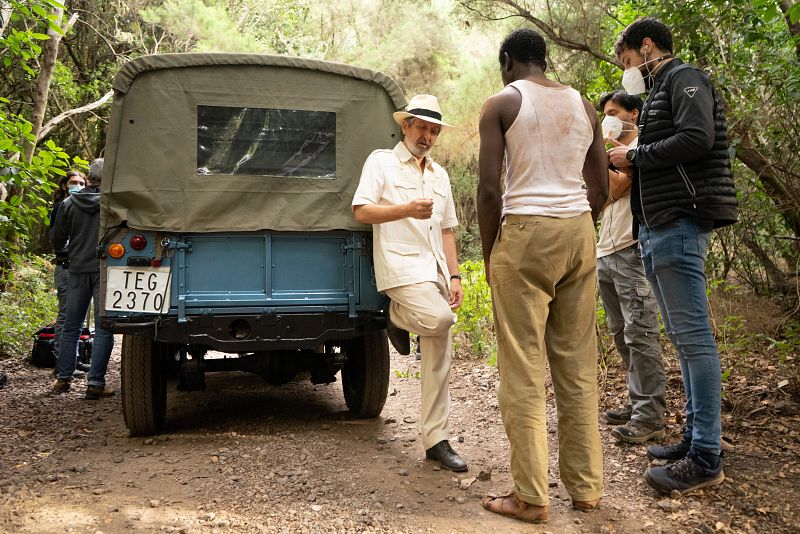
pixel 251 333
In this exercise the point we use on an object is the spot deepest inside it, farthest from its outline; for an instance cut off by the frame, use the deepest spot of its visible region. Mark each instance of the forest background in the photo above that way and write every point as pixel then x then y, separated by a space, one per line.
pixel 59 59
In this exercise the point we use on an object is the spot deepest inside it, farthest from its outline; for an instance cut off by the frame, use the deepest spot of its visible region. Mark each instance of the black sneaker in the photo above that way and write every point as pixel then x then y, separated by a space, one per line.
pixel 671 453
pixel 620 416
pixel 689 474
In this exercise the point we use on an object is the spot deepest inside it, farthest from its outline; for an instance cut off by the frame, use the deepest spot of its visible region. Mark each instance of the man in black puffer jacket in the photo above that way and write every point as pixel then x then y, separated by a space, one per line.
pixel 682 189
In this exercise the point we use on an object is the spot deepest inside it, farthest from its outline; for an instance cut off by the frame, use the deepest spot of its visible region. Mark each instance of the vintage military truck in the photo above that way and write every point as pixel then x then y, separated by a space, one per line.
pixel 226 225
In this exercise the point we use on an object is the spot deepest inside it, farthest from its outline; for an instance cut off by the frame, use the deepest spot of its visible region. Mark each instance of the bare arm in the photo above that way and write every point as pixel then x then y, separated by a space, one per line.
pixel 419 208
pixel 619 185
pixel 489 201
pixel 595 167
pixel 450 254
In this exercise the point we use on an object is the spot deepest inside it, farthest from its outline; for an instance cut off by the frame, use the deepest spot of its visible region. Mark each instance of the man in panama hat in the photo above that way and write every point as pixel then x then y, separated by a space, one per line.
pixel 406 197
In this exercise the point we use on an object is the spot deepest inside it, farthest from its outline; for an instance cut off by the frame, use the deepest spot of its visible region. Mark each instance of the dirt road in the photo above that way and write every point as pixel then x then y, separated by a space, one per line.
pixel 244 456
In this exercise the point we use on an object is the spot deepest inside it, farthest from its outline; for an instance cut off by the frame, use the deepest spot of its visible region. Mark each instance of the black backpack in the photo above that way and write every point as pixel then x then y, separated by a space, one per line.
pixel 42 354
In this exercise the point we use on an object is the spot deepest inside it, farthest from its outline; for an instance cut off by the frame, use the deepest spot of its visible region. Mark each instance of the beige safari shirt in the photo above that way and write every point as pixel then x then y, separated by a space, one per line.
pixel 410 250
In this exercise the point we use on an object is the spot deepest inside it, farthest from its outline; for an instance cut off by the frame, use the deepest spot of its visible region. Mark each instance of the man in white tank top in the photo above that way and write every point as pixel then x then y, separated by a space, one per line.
pixel 539 251
pixel 631 308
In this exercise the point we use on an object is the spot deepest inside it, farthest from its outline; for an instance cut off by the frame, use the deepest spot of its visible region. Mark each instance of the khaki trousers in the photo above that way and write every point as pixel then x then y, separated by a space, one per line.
pixel 543 293
pixel 423 309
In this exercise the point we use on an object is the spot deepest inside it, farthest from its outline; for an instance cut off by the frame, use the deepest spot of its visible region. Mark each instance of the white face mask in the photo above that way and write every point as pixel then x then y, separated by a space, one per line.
pixel 633 80
pixel 613 127
pixel 74 188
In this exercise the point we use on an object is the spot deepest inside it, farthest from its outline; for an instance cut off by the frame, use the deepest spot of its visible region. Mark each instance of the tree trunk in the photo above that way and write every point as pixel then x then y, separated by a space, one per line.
pixel 794 29
pixel 777 279
pixel 5 16
pixel 48 63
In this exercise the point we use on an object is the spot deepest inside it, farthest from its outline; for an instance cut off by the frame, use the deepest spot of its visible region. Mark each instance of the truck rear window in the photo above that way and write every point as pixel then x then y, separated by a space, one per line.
pixel 266 142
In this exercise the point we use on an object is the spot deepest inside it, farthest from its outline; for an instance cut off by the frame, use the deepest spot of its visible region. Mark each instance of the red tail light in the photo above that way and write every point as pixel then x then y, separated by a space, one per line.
pixel 138 242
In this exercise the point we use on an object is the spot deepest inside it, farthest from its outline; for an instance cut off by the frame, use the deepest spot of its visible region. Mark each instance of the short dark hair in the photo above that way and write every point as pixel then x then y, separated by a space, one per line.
pixel 627 101
pixel 526 46
pixel 632 36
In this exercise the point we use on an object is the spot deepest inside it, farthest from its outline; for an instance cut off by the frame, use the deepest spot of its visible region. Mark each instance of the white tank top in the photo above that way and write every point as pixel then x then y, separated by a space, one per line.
pixel 545 151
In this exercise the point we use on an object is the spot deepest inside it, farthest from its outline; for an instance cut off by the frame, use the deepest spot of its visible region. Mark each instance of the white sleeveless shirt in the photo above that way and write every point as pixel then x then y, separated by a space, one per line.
pixel 545 151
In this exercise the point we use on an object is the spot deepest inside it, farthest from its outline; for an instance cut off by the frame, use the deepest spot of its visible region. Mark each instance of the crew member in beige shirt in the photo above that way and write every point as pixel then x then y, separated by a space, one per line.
pixel 406 197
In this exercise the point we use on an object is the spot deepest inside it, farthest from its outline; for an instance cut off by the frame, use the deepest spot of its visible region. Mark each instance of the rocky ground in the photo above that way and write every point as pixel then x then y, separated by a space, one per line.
pixel 244 456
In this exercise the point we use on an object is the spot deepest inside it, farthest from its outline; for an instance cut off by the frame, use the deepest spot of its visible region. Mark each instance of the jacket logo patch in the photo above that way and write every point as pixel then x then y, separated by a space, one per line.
pixel 690 91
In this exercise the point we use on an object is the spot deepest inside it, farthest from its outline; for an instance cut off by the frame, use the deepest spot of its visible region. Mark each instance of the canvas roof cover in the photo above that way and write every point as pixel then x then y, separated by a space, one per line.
pixel 156 176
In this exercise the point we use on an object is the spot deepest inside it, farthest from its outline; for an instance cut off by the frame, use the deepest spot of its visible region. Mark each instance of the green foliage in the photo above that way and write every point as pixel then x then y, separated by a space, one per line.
pixel 408 373
pixel 475 314
pixel 22 46
pixel 26 305
pixel 29 183
pixel 195 26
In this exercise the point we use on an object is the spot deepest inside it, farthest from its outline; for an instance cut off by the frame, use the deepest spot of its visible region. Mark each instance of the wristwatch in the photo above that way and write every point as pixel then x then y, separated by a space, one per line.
pixel 631 155
pixel 455 277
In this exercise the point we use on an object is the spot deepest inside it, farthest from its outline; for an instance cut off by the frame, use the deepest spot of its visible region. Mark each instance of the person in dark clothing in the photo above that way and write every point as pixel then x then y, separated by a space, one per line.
pixel 682 189
pixel 77 226
pixel 72 182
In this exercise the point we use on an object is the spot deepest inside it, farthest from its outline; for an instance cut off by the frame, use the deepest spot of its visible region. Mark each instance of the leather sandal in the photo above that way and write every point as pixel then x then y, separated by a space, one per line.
pixel 585 506
pixel 509 505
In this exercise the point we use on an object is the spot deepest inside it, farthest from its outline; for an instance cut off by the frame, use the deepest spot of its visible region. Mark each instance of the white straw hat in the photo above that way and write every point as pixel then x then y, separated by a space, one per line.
pixel 424 107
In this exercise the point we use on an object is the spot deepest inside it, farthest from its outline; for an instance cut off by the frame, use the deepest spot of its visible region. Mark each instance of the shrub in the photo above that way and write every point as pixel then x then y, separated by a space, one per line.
pixel 28 303
pixel 475 324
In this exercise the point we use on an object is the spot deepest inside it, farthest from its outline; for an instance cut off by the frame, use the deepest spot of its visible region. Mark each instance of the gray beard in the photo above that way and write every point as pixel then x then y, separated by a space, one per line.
pixel 415 151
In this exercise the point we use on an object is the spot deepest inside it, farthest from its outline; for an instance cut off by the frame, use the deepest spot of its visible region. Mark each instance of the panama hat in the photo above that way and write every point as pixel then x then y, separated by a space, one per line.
pixel 424 107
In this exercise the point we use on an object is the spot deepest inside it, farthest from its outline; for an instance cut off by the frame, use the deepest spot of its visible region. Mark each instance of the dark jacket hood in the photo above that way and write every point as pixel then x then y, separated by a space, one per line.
pixel 87 200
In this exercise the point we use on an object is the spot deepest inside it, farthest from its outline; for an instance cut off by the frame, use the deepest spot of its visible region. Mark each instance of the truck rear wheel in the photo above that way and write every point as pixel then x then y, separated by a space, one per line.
pixel 365 375
pixel 144 385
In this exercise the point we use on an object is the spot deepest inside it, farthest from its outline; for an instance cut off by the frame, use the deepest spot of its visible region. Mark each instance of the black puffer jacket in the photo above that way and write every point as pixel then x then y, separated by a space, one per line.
pixel 683 162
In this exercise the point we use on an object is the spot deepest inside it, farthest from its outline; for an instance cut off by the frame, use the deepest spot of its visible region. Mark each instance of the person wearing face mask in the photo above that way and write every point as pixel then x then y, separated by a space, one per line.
pixel 77 226
pixel 407 199
pixel 70 183
pixel 631 309
pixel 682 189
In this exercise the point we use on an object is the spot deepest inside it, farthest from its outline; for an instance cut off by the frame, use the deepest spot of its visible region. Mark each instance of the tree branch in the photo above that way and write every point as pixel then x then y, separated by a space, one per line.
pixel 548 30
pixel 70 112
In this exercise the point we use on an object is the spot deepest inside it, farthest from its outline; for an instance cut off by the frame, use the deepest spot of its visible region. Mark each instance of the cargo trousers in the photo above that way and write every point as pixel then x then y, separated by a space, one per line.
pixel 632 314
pixel 542 273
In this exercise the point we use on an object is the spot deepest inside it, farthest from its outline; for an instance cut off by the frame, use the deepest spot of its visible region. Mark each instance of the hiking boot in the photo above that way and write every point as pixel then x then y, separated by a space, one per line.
pixel 636 431
pixel 691 473
pixel 80 366
pixel 619 416
pixel 61 385
pixel 97 392
pixel 671 453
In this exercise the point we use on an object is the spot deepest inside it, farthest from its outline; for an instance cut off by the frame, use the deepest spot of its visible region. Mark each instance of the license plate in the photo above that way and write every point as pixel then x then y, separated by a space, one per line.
pixel 143 290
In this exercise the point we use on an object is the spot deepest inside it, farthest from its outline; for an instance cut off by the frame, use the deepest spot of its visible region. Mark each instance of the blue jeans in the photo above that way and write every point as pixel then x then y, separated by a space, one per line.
pixel 674 256
pixel 84 287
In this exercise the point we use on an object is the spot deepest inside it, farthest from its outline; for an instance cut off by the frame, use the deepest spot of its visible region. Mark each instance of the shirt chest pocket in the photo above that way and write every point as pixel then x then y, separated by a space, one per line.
pixel 407 189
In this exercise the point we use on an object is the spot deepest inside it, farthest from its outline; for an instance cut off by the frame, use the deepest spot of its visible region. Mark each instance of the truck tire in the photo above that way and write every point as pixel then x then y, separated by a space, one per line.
pixel 365 375
pixel 144 385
